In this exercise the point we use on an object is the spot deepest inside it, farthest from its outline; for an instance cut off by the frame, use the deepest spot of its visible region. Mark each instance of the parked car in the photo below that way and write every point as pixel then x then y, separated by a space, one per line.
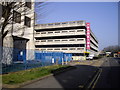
pixel 90 57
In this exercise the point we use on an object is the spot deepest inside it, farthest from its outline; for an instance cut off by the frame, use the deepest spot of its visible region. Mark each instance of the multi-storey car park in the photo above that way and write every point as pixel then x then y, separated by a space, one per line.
pixel 73 37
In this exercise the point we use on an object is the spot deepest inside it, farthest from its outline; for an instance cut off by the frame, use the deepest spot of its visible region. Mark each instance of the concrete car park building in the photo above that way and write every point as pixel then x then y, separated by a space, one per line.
pixel 74 37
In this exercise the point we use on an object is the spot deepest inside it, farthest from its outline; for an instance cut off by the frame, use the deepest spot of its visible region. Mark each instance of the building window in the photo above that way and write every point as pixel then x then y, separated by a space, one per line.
pixel 64 40
pixel 57 23
pixel 36 49
pixel 43 32
pixel 71 40
pixel 57 40
pixel 50 32
pixel 79 30
pixel 57 49
pixel 50 24
pixel 71 31
pixel 16 17
pixel 64 23
pixel 80 48
pixel 43 25
pixel 37 41
pixel 64 31
pixel 81 22
pixel 43 49
pixel 72 49
pixel 43 40
pixel 57 32
pixel 27 21
pixel 50 49
pixel 3 11
pixel 37 33
pixel 72 22
pixel 64 48
pixel 28 4
pixel 50 40
pixel 80 39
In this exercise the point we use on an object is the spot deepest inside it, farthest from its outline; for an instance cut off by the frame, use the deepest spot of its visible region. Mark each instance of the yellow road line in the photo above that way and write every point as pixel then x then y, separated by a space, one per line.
pixel 97 79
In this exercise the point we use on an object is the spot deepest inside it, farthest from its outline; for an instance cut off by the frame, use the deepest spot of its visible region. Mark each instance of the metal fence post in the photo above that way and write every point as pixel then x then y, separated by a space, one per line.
pixel 66 59
pixel 62 62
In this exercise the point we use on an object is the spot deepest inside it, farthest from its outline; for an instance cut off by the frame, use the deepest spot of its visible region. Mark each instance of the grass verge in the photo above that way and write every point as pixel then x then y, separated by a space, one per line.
pixel 27 75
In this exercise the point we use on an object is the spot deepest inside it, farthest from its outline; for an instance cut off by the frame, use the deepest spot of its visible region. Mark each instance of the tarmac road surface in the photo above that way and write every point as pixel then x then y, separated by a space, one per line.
pixel 75 78
pixel 110 76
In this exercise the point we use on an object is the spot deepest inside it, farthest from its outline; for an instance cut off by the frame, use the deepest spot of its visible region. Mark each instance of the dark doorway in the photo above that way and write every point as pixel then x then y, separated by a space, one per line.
pixel 19 48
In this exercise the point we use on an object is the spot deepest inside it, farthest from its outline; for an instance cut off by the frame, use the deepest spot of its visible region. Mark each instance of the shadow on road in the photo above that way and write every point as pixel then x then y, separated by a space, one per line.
pixel 76 78
pixel 109 78
pixel 81 76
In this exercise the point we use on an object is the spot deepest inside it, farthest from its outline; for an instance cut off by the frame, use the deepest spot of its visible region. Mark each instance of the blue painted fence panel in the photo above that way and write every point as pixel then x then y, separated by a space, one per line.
pixel 56 56
pixel 41 59
pixel 68 57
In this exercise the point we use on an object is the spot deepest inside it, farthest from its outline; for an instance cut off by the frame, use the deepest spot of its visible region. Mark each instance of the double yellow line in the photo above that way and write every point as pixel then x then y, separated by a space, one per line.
pixel 92 84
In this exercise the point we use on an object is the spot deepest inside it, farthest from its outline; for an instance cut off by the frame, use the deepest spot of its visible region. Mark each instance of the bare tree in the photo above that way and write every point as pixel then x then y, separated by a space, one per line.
pixel 114 48
pixel 7 20
pixel 8 17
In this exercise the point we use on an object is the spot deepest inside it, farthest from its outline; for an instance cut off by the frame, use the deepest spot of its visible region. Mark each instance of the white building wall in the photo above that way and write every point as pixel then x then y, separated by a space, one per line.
pixel 65 49
pixel 26 32
pixel 61 33
pixel 57 25
pixel 29 33
pixel 20 30
pixel 61 41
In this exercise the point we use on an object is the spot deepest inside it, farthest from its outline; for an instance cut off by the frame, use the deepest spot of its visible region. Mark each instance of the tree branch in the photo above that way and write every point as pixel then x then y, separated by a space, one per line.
pixel 5 33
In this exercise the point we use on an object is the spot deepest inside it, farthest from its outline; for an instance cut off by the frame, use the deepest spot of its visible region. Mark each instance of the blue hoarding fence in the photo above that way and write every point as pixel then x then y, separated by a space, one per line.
pixel 67 57
pixel 41 58
pixel 53 57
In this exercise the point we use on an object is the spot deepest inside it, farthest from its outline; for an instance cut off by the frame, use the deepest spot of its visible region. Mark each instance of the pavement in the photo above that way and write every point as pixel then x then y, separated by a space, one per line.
pixel 75 78
pixel 96 63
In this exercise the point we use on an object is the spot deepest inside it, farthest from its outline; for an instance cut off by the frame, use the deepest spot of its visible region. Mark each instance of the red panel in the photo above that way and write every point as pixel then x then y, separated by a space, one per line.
pixel 88 36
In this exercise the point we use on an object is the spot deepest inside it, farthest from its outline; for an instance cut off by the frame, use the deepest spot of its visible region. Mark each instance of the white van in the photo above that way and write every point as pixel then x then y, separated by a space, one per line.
pixel 90 57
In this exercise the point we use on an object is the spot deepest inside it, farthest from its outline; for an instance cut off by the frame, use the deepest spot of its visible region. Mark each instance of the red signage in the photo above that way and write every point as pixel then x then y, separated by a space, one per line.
pixel 88 36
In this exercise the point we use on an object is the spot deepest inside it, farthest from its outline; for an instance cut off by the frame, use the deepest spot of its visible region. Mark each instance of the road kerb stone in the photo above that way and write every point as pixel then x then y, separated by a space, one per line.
pixel 35 80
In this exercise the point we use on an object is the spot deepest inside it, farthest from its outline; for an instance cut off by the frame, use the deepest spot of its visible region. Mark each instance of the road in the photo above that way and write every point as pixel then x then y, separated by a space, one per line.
pixel 110 75
pixel 75 78
pixel 79 77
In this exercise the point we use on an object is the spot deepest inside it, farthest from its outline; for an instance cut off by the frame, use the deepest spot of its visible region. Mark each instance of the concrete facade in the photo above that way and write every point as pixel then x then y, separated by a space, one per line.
pixel 68 37
pixel 21 31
